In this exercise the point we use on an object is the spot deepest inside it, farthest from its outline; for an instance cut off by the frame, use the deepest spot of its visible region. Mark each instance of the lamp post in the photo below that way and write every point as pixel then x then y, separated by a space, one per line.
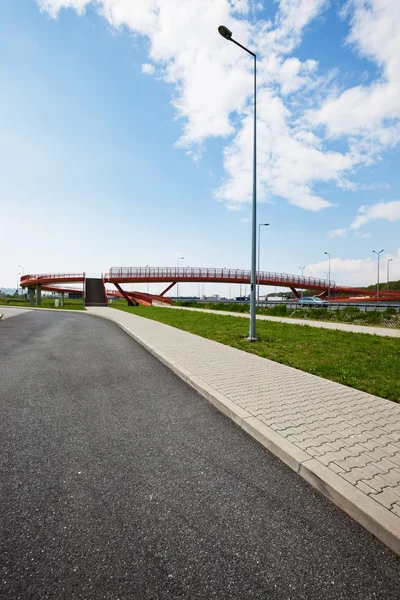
pixel 329 277
pixel 258 268
pixel 21 267
pixel 377 284
pixel 177 283
pixel 302 269
pixel 387 273
pixel 224 31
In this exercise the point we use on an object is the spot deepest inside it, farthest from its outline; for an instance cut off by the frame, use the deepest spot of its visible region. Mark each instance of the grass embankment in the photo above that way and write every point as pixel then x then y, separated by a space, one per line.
pixel 46 303
pixel 351 314
pixel 365 362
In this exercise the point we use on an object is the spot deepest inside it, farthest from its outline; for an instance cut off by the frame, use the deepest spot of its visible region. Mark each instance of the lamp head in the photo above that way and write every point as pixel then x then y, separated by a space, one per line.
pixel 225 32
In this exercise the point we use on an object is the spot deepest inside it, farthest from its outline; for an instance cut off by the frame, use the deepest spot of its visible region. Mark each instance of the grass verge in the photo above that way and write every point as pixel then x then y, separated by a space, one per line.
pixel 365 362
pixel 46 303
pixel 351 314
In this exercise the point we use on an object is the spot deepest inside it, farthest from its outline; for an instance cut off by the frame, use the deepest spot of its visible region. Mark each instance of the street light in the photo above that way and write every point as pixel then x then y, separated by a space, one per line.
pixel 377 285
pixel 258 269
pixel 329 277
pixel 387 269
pixel 227 34
pixel 21 267
pixel 302 269
pixel 177 283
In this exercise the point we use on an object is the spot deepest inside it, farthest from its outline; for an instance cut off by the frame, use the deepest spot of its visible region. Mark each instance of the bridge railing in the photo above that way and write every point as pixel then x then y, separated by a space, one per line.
pixel 53 277
pixel 196 273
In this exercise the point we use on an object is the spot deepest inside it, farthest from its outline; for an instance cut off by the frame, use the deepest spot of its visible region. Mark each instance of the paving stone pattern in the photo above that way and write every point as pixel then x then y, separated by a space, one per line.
pixel 355 434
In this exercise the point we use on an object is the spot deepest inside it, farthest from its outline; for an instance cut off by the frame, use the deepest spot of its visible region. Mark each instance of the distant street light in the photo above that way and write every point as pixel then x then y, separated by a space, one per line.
pixel 258 269
pixel 377 285
pixel 177 283
pixel 329 277
pixel 302 269
pixel 387 285
pixel 21 267
pixel 227 34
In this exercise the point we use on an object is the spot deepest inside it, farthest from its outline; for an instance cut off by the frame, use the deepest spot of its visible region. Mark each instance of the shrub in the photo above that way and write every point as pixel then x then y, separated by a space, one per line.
pixel 280 310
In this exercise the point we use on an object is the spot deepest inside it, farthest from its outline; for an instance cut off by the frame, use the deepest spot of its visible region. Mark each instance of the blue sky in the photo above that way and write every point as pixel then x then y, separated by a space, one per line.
pixel 126 135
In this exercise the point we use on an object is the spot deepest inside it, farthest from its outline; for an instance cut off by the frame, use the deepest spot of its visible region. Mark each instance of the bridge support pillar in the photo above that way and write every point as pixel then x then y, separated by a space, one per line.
pixel 31 293
pixel 124 294
pixel 62 298
pixel 295 292
pixel 38 294
pixel 168 288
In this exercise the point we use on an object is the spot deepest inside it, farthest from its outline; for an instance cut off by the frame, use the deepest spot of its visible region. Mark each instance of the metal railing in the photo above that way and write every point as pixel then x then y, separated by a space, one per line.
pixel 53 277
pixel 220 275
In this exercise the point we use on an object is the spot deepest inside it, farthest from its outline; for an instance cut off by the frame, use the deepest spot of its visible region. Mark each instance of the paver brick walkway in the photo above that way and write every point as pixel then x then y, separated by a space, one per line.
pixel 344 441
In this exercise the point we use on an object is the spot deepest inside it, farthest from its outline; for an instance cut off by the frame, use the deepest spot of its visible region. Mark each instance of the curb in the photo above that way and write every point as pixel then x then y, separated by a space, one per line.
pixel 373 517
pixel 59 310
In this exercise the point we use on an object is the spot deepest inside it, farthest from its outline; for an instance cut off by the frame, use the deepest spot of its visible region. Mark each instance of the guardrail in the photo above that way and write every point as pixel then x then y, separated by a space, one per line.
pixel 52 277
pixel 206 274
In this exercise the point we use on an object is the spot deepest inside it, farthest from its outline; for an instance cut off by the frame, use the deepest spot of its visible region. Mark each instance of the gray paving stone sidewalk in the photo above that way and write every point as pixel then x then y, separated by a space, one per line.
pixel 343 441
pixel 381 331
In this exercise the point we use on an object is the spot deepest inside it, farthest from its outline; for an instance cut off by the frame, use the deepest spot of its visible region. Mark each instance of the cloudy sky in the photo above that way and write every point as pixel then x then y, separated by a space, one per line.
pixel 126 135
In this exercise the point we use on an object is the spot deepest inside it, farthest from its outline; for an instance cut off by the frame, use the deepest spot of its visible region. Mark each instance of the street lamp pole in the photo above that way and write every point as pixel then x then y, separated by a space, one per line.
pixel 21 267
pixel 177 283
pixel 329 277
pixel 258 268
pixel 302 269
pixel 377 284
pixel 387 272
pixel 224 31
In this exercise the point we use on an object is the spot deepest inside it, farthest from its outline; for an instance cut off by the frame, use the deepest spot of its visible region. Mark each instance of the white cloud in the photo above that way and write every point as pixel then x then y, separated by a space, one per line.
pixel 148 69
pixel 240 6
pixel 383 210
pixel 362 234
pixel 375 35
pixel 357 272
pixel 350 186
pixel 337 233
pixel 53 7
pixel 285 33
pixel 213 80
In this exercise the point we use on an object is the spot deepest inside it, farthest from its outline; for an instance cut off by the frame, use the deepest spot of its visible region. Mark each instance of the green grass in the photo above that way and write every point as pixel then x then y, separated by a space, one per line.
pixel 46 303
pixel 351 314
pixel 365 362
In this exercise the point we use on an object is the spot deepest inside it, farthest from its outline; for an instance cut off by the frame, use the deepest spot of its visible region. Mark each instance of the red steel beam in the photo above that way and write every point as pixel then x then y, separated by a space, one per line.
pixel 295 292
pixel 125 295
pixel 168 288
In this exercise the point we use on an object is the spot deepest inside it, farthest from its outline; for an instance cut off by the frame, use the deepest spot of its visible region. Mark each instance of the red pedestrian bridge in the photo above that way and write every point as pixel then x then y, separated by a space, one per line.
pixel 95 292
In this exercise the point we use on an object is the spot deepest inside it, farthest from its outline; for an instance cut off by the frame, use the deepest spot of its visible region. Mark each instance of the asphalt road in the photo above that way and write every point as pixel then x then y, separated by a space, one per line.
pixel 120 482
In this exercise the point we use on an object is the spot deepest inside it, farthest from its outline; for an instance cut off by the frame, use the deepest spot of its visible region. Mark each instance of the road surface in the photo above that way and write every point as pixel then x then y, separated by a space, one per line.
pixel 120 482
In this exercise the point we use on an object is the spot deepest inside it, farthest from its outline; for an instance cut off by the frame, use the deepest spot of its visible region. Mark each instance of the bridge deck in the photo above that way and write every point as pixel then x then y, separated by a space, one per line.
pixel 123 275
